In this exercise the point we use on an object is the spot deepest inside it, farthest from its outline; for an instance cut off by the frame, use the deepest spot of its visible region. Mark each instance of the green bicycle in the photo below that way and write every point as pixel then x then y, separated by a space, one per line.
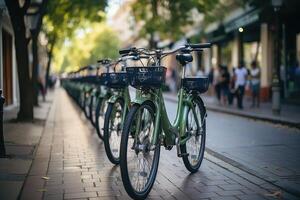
pixel 117 109
pixel 101 100
pixel 147 125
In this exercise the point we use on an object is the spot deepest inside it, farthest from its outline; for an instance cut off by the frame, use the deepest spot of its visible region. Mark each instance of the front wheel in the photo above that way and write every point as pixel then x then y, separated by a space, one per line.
pixel 194 148
pixel 93 107
pixel 86 105
pixel 139 156
pixel 113 130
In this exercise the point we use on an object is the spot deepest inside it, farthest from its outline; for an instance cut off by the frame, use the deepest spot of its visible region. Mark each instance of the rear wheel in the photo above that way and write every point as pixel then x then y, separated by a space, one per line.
pixel 139 158
pixel 100 113
pixel 194 148
pixel 113 130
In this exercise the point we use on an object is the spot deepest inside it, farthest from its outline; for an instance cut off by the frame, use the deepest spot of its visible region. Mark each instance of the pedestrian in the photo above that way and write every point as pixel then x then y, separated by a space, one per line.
pixel 171 79
pixel 224 84
pixel 211 76
pixel 41 87
pixel 217 83
pixel 232 90
pixel 200 72
pixel 241 74
pixel 255 83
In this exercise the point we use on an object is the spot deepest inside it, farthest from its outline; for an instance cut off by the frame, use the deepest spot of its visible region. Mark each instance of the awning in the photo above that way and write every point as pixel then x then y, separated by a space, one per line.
pixel 242 21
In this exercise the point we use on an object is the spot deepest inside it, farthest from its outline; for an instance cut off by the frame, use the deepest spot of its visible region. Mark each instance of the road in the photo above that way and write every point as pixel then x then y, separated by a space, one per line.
pixel 267 150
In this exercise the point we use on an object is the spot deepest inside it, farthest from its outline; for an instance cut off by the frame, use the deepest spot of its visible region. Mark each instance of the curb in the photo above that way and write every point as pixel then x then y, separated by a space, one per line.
pixel 255 117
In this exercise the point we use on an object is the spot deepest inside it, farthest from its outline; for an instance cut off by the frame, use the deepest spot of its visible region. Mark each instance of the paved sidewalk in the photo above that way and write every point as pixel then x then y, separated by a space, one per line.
pixel 70 163
pixel 290 114
pixel 21 140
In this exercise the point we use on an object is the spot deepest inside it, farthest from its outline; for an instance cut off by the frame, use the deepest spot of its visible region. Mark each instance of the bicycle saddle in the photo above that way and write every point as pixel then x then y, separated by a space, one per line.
pixel 184 58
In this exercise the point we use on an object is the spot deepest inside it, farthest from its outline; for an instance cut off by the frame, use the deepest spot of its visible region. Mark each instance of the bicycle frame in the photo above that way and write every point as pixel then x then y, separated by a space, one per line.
pixel 174 133
pixel 124 93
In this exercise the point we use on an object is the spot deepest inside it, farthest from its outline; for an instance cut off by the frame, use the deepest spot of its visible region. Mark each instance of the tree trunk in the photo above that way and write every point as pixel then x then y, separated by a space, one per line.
pixel 21 45
pixel 154 7
pixel 50 54
pixel 25 84
pixel 35 66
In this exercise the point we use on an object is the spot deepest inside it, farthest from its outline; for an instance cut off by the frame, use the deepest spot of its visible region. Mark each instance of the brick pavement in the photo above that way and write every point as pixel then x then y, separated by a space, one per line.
pixel 21 140
pixel 70 163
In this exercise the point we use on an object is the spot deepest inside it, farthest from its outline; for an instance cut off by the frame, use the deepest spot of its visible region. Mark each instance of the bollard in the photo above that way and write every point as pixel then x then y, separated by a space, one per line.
pixel 2 147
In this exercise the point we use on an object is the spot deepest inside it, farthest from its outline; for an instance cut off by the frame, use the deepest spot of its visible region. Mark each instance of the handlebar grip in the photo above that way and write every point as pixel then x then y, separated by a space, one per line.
pixel 125 51
pixel 200 45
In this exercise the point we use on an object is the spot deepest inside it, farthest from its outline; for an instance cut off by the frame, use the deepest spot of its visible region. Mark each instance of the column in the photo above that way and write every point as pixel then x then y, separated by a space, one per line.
pixel 235 52
pixel 266 61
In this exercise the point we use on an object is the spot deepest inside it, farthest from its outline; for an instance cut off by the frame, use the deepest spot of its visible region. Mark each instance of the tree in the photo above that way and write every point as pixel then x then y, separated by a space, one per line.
pixel 89 44
pixel 167 18
pixel 17 13
pixel 63 17
pixel 35 61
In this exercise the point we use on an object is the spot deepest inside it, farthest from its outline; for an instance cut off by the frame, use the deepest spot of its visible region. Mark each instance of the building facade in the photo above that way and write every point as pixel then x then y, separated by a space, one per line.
pixel 8 67
pixel 248 34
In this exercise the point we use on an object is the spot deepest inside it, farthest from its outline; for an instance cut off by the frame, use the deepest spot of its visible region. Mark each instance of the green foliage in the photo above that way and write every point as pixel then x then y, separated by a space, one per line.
pixel 168 18
pixel 63 17
pixel 89 44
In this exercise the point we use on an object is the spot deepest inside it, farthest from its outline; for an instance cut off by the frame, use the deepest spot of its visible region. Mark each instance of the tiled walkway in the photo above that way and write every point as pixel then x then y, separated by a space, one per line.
pixel 70 163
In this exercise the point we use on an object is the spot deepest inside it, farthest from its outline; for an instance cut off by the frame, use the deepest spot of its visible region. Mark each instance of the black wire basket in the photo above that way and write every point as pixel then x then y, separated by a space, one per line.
pixel 199 84
pixel 114 80
pixel 146 77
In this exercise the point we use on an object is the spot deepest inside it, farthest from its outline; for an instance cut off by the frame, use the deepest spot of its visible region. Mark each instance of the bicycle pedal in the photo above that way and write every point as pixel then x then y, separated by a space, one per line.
pixel 183 154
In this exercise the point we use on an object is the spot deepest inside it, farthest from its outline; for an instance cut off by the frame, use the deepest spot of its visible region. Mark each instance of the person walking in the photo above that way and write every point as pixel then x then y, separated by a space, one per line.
pixel 240 74
pixel 255 83
pixel 232 89
pixel 224 84
pixel 216 79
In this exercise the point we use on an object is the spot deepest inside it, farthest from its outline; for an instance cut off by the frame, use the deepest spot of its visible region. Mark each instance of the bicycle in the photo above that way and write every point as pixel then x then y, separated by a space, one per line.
pixel 147 125
pixel 117 109
pixel 102 99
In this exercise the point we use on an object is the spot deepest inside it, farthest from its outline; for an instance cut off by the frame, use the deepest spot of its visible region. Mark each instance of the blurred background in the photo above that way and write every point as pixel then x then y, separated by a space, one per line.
pixel 41 39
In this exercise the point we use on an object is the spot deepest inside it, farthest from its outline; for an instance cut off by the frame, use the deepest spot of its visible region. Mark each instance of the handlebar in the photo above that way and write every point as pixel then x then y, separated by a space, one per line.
pixel 199 46
pixel 126 51
pixel 160 53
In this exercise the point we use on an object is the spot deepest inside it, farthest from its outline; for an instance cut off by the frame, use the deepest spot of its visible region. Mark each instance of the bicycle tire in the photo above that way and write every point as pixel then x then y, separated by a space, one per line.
pixel 123 154
pixel 107 131
pixel 194 168
pixel 100 103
